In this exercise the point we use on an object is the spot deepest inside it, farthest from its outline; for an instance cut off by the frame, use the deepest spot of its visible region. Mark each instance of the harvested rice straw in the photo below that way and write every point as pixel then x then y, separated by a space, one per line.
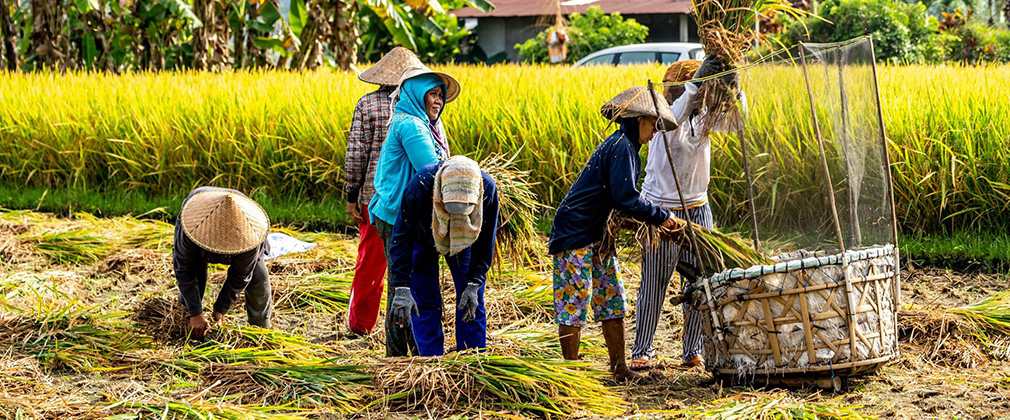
pixel 322 292
pixel 517 238
pixel 303 384
pixel 780 405
pixel 509 384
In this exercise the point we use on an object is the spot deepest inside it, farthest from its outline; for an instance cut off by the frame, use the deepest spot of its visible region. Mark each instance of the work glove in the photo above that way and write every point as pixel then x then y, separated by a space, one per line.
pixel 711 66
pixel 469 301
pixel 403 305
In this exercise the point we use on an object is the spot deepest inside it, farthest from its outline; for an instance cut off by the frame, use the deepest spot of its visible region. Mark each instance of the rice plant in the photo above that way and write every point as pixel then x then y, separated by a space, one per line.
pixel 210 409
pixel 324 292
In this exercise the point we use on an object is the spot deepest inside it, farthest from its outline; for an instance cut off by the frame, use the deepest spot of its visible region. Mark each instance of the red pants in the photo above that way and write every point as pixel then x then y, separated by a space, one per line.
pixel 366 288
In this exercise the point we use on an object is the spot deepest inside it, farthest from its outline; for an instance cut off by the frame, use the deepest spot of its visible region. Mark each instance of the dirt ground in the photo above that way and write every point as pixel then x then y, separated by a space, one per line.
pixel 942 371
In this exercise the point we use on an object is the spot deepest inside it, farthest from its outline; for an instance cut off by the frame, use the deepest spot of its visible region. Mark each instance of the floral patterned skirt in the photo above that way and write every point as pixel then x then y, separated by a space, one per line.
pixel 583 278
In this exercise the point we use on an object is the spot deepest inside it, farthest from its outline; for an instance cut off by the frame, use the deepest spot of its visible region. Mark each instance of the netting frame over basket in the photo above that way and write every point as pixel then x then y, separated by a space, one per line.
pixel 783 316
pixel 813 314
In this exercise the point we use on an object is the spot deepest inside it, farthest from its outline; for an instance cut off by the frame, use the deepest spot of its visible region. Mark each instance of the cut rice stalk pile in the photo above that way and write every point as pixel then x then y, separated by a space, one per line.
pixel 79 246
pixel 323 292
pixel 70 336
pixel 990 321
pixel 304 384
pixel 781 406
pixel 223 409
pixel 943 338
pixel 496 383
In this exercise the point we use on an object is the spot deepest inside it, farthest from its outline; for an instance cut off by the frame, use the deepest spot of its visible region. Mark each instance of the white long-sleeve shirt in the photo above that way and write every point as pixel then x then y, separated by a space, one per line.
pixel 691 152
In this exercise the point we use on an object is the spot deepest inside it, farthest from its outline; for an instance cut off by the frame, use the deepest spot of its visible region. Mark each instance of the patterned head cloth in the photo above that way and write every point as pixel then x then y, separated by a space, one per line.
pixel 457 212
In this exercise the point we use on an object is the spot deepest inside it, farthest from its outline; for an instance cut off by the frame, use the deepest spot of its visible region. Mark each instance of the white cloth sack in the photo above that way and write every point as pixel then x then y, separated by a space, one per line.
pixel 281 244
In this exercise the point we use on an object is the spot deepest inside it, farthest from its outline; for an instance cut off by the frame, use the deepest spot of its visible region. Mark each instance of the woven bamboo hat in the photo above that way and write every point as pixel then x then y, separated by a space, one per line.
pixel 635 102
pixel 390 67
pixel 452 88
pixel 681 71
pixel 224 222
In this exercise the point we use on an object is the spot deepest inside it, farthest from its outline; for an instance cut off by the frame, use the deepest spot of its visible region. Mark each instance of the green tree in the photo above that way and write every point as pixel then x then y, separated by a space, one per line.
pixel 901 32
pixel 587 33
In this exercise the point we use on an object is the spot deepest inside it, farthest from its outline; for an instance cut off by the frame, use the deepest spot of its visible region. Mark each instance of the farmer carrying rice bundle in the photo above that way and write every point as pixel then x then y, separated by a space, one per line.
pixel 364 143
pixel 451 209
pixel 415 139
pixel 586 272
pixel 689 149
pixel 222 226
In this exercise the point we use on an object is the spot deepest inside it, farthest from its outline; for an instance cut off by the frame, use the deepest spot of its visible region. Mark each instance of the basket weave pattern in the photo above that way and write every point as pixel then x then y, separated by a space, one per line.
pixel 804 320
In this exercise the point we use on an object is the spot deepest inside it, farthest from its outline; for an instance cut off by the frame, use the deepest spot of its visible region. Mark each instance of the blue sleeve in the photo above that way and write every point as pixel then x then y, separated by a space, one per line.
pixel 417 144
pixel 482 251
pixel 401 249
pixel 622 189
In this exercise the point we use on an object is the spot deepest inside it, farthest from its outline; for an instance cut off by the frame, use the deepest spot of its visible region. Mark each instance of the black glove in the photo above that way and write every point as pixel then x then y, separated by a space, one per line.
pixel 403 305
pixel 711 66
pixel 469 301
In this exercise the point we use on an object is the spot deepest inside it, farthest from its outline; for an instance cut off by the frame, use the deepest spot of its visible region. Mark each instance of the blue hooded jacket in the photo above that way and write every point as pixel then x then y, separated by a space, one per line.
pixel 409 146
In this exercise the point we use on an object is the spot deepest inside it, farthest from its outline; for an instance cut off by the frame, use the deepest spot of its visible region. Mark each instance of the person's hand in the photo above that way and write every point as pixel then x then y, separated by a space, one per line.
pixel 403 305
pixel 671 223
pixel 711 66
pixel 198 326
pixel 469 301
pixel 218 317
pixel 353 213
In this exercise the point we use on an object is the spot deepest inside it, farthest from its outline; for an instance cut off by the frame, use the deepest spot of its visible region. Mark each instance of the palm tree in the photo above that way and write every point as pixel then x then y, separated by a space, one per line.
pixel 9 33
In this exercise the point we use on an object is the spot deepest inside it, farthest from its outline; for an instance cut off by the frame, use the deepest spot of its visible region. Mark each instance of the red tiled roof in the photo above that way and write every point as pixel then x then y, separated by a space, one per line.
pixel 513 8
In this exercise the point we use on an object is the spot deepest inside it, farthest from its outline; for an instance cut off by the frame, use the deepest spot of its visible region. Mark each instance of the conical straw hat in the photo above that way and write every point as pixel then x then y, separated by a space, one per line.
pixel 390 67
pixel 452 88
pixel 635 102
pixel 224 222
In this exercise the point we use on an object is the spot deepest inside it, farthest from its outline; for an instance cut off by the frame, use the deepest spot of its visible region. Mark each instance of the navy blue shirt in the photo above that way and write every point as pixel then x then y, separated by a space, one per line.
pixel 607 182
pixel 413 226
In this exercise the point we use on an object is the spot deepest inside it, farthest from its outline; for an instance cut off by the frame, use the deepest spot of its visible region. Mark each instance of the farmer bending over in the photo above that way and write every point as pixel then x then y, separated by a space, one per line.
pixel 586 272
pixel 451 209
pixel 415 139
pixel 222 226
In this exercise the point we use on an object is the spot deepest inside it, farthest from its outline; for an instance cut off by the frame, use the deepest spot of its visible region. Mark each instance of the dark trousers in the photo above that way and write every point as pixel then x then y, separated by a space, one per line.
pixel 258 296
pixel 399 338
pixel 427 292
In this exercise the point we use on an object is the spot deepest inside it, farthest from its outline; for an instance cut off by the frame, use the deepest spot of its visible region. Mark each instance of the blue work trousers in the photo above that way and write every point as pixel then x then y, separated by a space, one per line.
pixel 427 292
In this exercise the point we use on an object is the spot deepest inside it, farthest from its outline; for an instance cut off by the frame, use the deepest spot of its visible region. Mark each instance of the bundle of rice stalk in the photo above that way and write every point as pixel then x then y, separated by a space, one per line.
pixel 323 292
pixel 79 246
pixel 990 318
pixel 776 406
pixel 496 383
pixel 726 28
pixel 306 383
pixel 518 208
pixel 717 251
pixel 72 336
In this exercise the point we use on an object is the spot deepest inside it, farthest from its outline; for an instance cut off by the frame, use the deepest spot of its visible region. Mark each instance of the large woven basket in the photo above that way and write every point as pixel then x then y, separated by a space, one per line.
pixel 807 315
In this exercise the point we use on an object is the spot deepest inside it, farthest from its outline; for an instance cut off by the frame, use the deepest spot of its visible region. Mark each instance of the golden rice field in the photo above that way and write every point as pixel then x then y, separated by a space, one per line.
pixel 90 329
pixel 284 133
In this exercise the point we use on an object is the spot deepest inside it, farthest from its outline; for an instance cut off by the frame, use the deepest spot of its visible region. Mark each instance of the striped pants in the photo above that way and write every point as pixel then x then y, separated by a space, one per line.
pixel 658 265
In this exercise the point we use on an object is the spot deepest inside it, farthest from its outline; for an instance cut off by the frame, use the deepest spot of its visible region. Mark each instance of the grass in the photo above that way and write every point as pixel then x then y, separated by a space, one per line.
pixel 986 251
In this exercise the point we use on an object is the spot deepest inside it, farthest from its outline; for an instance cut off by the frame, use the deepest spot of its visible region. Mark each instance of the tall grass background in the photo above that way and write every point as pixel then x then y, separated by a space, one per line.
pixel 283 135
